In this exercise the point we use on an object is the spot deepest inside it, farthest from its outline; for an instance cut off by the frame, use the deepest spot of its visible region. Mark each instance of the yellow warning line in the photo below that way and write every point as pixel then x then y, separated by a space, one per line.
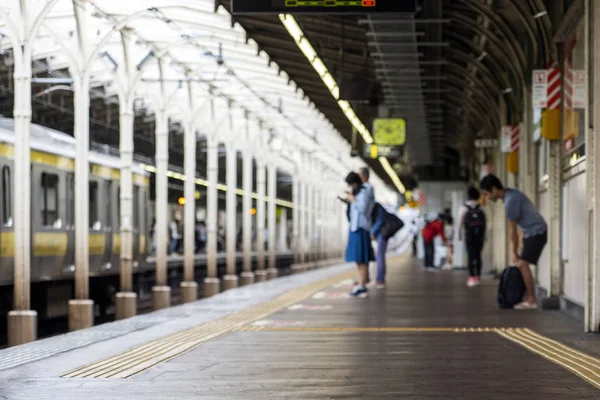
pixel 581 364
pixel 140 358
pixel 353 329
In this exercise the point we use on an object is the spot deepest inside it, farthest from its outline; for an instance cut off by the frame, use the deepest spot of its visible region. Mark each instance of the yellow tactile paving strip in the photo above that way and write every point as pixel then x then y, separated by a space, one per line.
pixel 581 364
pixel 140 358
pixel 352 329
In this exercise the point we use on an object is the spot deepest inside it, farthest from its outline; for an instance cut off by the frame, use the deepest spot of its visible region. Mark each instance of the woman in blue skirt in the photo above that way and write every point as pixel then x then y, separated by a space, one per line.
pixel 360 206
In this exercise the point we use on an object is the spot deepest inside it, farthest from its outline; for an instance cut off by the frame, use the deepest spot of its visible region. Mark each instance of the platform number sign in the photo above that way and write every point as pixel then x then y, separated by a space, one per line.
pixel 540 88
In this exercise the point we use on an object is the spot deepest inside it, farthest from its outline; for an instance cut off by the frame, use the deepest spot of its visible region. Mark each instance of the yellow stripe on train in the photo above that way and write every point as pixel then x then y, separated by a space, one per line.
pixel 50 244
pixel 66 163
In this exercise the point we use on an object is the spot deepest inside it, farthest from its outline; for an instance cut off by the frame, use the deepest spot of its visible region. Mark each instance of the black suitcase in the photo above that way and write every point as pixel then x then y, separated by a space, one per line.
pixel 511 289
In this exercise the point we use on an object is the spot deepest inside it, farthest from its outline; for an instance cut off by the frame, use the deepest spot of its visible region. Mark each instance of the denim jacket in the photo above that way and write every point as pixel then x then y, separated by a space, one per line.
pixel 361 209
pixel 378 222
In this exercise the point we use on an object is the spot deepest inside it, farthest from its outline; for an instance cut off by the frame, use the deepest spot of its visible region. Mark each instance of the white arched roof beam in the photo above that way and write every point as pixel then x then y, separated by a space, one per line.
pixel 244 65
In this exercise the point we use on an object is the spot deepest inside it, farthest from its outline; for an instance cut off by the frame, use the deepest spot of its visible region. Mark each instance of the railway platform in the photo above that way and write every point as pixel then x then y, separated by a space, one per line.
pixel 426 336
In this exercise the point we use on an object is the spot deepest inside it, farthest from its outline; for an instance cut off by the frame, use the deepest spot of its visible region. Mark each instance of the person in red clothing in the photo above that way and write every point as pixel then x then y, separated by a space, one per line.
pixel 433 227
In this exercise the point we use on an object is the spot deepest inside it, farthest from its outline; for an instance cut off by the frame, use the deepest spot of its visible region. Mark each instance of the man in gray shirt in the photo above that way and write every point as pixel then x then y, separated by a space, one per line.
pixel 520 212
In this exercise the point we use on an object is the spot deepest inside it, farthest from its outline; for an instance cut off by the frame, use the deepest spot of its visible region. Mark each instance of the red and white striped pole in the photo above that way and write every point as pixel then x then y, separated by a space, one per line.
pixel 553 86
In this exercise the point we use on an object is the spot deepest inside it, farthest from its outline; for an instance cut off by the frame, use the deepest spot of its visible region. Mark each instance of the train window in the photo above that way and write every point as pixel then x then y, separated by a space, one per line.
pixel 94 215
pixel 7 219
pixel 50 200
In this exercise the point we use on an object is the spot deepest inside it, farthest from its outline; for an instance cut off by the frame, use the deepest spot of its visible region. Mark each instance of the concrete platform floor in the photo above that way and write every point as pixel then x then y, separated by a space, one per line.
pixel 427 336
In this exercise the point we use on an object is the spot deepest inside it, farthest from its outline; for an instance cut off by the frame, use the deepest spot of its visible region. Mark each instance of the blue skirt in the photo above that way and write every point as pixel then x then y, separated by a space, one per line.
pixel 359 248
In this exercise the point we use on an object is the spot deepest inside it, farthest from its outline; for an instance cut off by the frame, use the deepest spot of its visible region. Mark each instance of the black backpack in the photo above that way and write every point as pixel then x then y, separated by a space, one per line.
pixel 511 289
pixel 474 222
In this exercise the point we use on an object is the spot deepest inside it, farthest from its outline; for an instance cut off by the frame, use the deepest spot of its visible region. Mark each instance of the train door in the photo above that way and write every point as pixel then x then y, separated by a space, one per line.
pixel 136 223
pixel 108 204
pixel 49 222
pixel 116 230
pixel 97 236
pixel 70 218
pixel 145 236
pixel 7 235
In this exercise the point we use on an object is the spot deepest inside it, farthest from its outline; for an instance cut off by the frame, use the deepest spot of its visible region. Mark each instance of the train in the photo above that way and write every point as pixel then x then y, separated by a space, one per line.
pixel 53 207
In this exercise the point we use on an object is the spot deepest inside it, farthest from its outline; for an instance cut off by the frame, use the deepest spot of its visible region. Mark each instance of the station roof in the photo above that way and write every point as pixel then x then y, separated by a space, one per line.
pixel 444 68
pixel 197 47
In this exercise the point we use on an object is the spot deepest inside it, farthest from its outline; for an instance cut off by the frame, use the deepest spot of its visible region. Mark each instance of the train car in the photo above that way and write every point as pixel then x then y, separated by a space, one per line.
pixel 52 208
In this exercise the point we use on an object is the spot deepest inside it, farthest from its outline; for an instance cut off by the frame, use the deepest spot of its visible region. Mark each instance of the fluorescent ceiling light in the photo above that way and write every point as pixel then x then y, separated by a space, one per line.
pixel 220 186
pixel 289 22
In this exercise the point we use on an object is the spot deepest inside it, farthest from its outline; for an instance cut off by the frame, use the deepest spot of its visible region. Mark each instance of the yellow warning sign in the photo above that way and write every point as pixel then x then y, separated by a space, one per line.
pixel 389 131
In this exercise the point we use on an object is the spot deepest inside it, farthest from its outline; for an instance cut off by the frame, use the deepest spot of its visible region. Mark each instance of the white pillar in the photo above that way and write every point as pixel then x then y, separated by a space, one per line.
pixel 247 275
pixel 592 145
pixel 295 218
pixel 310 220
pixel 230 280
pixel 126 294
pixel 126 299
pixel 161 296
pixel 21 320
pixel 554 224
pixel 211 282
pixel 81 308
pixel 272 220
pixel 189 286
pixel 261 177
pixel 302 220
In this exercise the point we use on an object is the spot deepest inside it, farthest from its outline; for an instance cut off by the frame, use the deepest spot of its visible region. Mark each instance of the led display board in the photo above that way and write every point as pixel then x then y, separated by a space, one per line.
pixel 322 6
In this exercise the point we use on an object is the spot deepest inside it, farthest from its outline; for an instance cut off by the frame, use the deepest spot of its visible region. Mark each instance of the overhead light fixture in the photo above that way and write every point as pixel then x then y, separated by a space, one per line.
pixel 540 14
pixel 220 186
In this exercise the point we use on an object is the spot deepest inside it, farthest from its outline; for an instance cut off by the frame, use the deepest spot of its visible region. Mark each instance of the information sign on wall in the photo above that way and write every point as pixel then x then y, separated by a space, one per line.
pixel 540 88
pixel 579 89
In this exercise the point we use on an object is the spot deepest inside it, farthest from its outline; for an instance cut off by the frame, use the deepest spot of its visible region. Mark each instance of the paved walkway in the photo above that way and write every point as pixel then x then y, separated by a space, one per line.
pixel 426 336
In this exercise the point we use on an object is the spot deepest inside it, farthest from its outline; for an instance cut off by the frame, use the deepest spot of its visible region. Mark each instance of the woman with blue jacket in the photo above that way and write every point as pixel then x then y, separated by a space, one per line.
pixel 360 206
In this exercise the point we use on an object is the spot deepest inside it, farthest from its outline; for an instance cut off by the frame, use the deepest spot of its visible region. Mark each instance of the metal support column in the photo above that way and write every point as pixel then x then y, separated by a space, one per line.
pixel 272 221
pixel 22 321
pixel 211 282
pixel 161 292
pixel 247 275
pixel 81 308
pixel 310 220
pixel 261 177
pixel 189 286
pixel 230 280
pixel 317 225
pixel 295 219
pixel 592 145
pixel 126 299
pixel 302 221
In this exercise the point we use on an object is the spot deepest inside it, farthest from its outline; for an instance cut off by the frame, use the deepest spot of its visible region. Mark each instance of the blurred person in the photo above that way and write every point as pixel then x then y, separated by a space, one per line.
pixel 472 222
pixel 382 245
pixel 359 250
pixel 175 236
pixel 433 228
pixel 520 213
